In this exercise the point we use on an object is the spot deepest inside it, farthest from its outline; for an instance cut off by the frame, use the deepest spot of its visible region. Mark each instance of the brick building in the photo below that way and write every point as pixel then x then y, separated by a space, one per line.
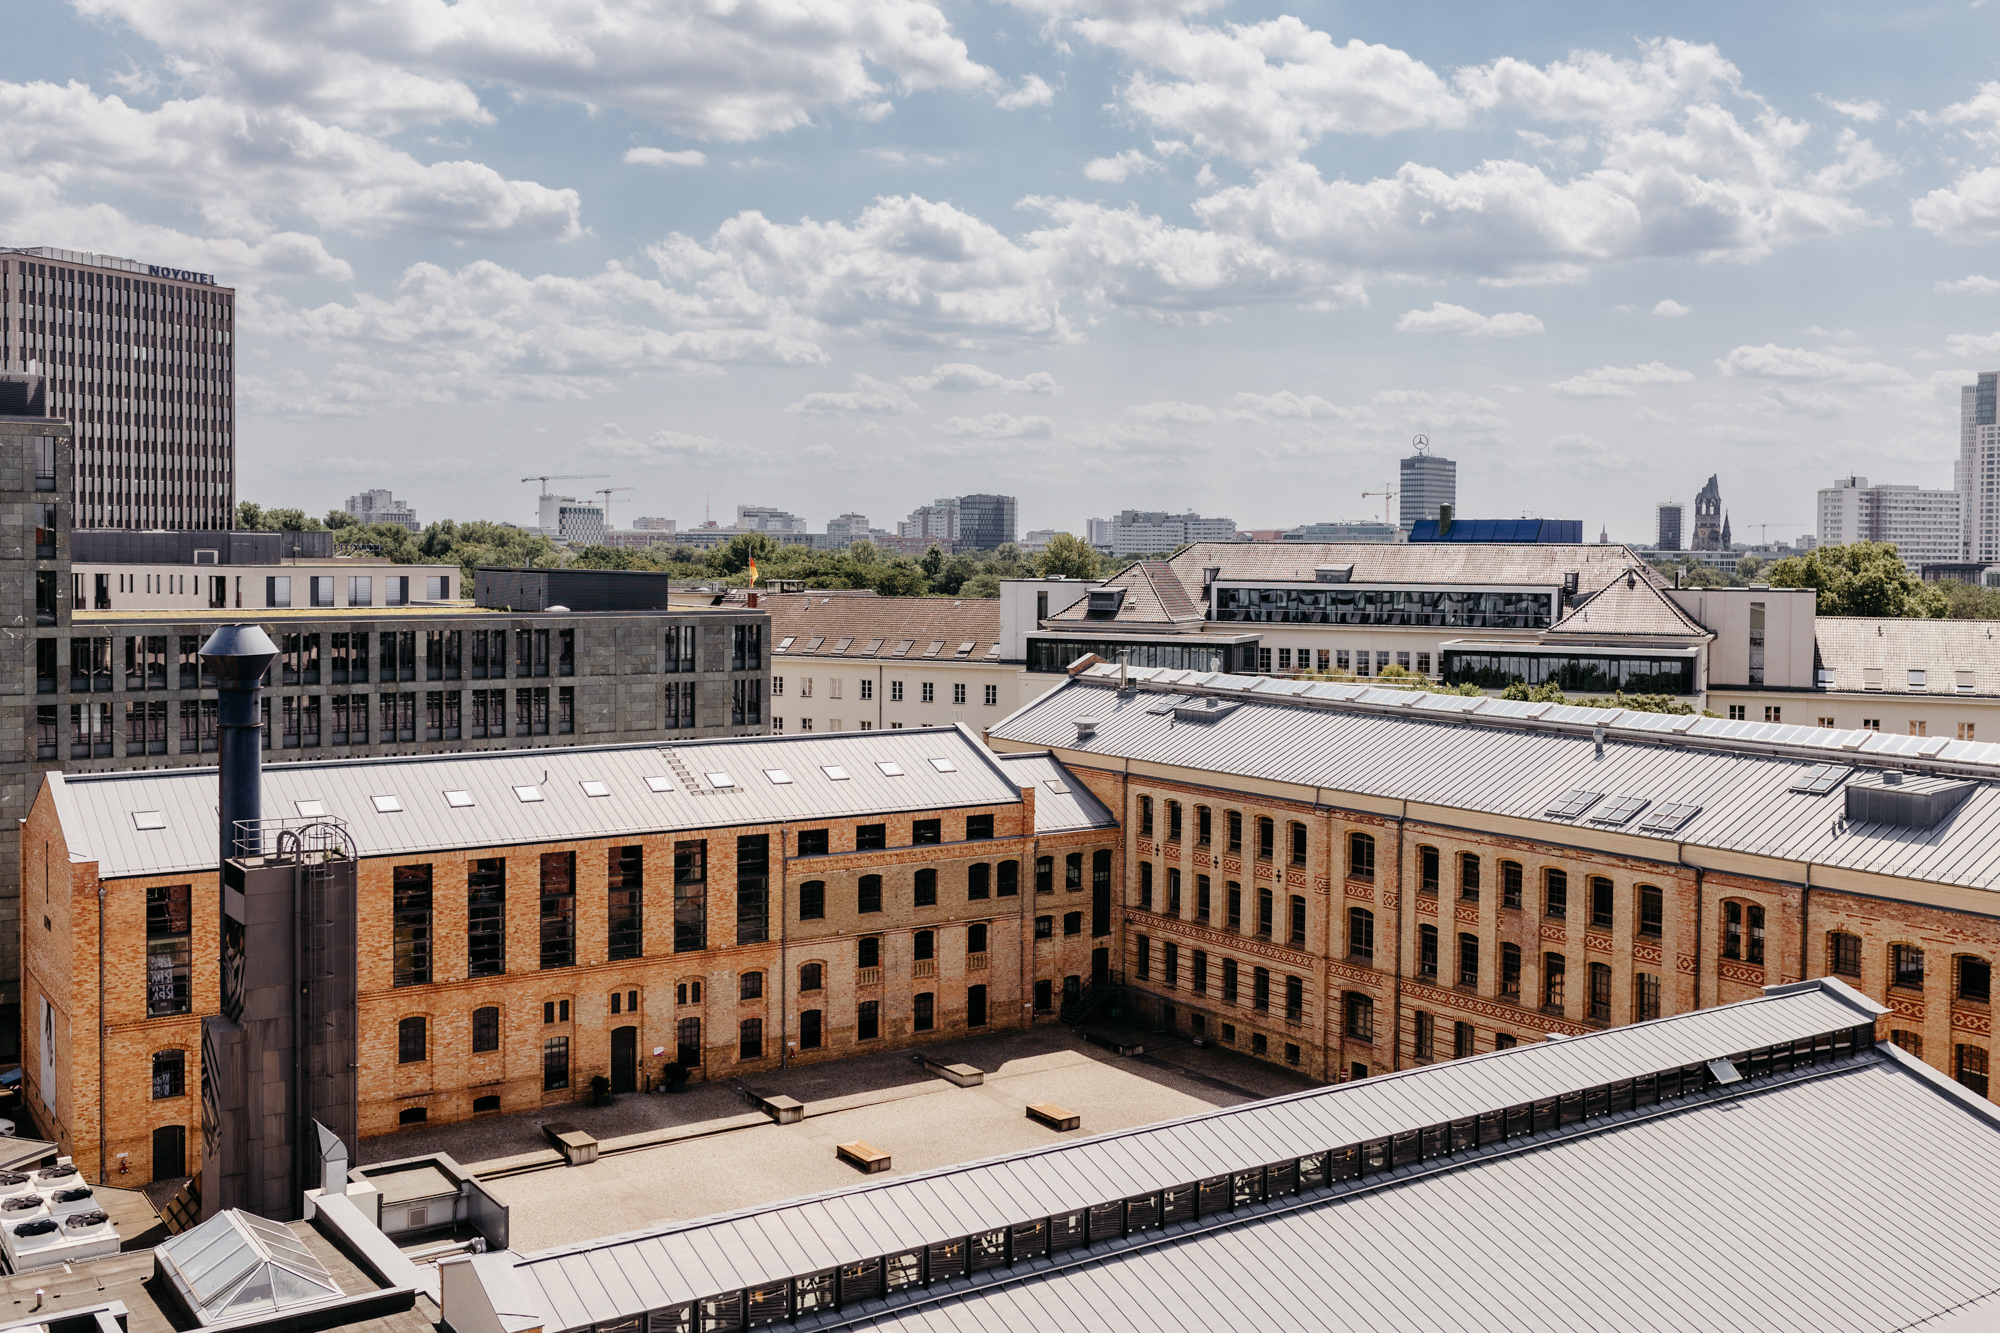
pixel 532 919
pixel 1353 881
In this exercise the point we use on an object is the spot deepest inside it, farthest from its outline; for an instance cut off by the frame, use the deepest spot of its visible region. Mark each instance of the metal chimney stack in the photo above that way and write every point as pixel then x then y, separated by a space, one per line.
pixel 238 656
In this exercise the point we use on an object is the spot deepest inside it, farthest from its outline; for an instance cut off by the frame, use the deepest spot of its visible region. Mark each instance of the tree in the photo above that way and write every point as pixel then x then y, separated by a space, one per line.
pixel 1067 557
pixel 1970 601
pixel 255 518
pixel 734 556
pixel 933 561
pixel 1860 579
pixel 336 519
pixel 1749 567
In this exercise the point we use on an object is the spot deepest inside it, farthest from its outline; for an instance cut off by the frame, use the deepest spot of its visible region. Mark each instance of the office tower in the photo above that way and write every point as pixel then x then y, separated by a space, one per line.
pixel 1669 536
pixel 1977 475
pixel 985 522
pixel 1927 527
pixel 140 360
pixel 372 507
pixel 1428 481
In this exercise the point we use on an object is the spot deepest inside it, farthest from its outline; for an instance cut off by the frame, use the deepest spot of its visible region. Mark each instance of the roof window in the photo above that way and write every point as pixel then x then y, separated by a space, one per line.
pixel 834 772
pixel 459 800
pixel 310 809
pixel 903 646
pixel 1618 810
pixel 1821 779
pixel 1056 785
pixel 1967 682
pixel 1916 678
pixel 874 647
pixel 890 768
pixel 1668 818
pixel 964 649
pixel 721 781
pixel 944 766
pixel 932 651
pixel 1871 678
pixel 592 787
pixel 148 819
pixel 527 795
pixel 659 784
pixel 812 645
pixel 785 642
pixel 779 777
pixel 387 805
pixel 840 645
pixel 1573 803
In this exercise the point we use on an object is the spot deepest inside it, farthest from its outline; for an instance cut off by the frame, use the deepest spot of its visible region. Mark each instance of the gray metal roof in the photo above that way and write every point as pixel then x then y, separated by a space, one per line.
pixel 1856 1197
pixel 97 809
pixel 623 1276
pixel 1062 804
pixel 1500 757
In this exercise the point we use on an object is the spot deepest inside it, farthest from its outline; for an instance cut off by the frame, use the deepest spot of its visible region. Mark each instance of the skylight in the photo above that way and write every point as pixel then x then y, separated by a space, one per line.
pixel 459 800
pixel 1668 818
pixel 903 646
pixel 965 648
pixel 592 787
pixel 527 795
pixel 786 642
pixel 387 805
pixel 812 645
pixel 1056 785
pixel 890 768
pixel 659 784
pixel 1573 803
pixel 311 809
pixel 840 645
pixel 834 772
pixel 933 649
pixel 1618 810
pixel 1821 779
pixel 236 1267
pixel 779 777
pixel 874 647
pixel 148 819
pixel 944 766
pixel 721 781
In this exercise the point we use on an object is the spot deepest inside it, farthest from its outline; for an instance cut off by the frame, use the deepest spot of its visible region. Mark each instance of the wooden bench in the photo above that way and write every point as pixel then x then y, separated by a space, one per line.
pixel 964 1075
pixel 862 1157
pixel 577 1147
pixel 1055 1117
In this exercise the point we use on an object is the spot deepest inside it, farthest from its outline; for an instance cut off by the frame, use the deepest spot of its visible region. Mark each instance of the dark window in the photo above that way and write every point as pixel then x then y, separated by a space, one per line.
pixel 978 827
pixel 753 888
pixel 1146 885
pixel 1201 825
pixel 1554 965
pixel 868 1020
pixel 555 1063
pixel 1428 864
pixel 1510 883
pixel 1297 935
pixel 812 900
pixel 1008 880
pixel 1235 830
pixel 1202 898
pixel 1360 856
pixel 558 909
pixel 1468 877
pixel 975 937
pixel 1142 953
pixel 1145 816
pixel 1267 838
pixel 1260 988
pixel 1295 999
pixel 1555 893
pixel 412 925
pixel 1229 981
pixel 1073 873
pixel 871 837
pixel 1173 905
pixel 1653 911
pixel 1602 910
pixel 924 1011
pixel 1510 972
pixel 1846 954
pixel 868 950
pixel 1427 952
pixel 809 1030
pixel 1045 927
pixel 923 945
pixel 750 1039
pixel 169 1074
pixel 1298 844
pixel 750 986
pixel 978 881
pixel 1359 1016
pixel 868 894
pixel 1975 978
pixel 1360 933
pixel 486 918
pixel 1970 1067
pixel 925 831
pixel 1045 874
pixel 1235 906
pixel 1743 931
pixel 1265 902
pixel 1600 992
pixel 1645 997
pixel 1468 961
pixel 687 1042
pixel 1170 964
pixel 975 1006
pixel 1906 966
pixel 1464 1040
pixel 486 1028
pixel 812 842
pixel 411 1047
pixel 1199 982
pixel 1426 1035
pixel 690 897
pixel 1072 923
pixel 1173 821
pixel 167 949
pixel 812 976
pixel 625 891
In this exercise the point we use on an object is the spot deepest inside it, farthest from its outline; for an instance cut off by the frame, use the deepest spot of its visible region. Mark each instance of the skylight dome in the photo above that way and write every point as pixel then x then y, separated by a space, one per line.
pixel 237 1266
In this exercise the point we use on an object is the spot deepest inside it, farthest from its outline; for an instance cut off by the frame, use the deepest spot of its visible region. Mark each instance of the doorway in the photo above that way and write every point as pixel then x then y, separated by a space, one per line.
pixel 170 1144
pixel 624 1059
pixel 1100 966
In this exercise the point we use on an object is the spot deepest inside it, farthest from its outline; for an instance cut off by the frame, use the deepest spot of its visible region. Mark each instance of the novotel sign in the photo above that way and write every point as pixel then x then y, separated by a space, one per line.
pixel 180 274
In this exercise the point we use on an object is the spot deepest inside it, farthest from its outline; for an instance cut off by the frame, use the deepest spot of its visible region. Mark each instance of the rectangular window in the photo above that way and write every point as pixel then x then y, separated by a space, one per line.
pixel 1975 979
pixel 486 918
pixel 1295 999
pixel 1267 838
pixel 1468 961
pixel 1360 933
pixel 558 909
pixel 812 900
pixel 1199 972
pixel 1555 893
pixel 1426 1036
pixel 1360 856
pixel 1427 952
pixel 1510 884
pixel 924 887
pixel 868 1020
pixel 753 888
pixel 1970 1067
pixel 1358 1012
pixel 746 707
pixel 1229 977
pixel 625 890
pixel 1428 873
pixel 1296 937
pixel 1510 972
pixel 1645 997
pixel 978 827
pixel 555 1063
pixel 690 897
pixel 871 837
pixel 1554 966
pixel 1600 992
pixel 486 1029
pixel 1845 954
pixel 1173 907
pixel 1906 966
pixel 1468 877
pixel 1602 909
pixel 750 1039
pixel 1235 901
pixel 1652 911
pixel 925 832
pixel 680 648
pixel 1202 894
pixel 1142 954
pixel 1264 907
pixel 169 1074
pixel 923 1010
pixel 868 894
pixel 1260 988
pixel 168 955
pixel 1008 880
pixel 1170 964
pixel 412 925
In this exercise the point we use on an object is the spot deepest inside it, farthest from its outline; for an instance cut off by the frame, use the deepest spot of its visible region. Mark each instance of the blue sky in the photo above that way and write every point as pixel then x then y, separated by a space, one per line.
pixel 843 255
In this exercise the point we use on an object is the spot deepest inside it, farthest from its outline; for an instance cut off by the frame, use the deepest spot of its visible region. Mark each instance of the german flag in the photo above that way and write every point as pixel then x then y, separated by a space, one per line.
pixel 753 571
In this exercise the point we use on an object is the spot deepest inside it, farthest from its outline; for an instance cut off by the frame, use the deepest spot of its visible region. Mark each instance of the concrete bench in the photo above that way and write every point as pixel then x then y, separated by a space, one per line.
pixel 1120 1045
pixel 577 1147
pixel 965 1076
pixel 1055 1117
pixel 862 1157
pixel 782 1110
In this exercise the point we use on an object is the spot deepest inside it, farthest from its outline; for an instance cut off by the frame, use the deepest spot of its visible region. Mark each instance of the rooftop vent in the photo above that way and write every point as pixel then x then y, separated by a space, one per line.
pixel 1333 573
pixel 1905 801
pixel 1086 727
pixel 1205 710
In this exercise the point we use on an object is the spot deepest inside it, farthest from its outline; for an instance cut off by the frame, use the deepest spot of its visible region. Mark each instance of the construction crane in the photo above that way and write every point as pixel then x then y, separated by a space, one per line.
pixel 567 476
pixel 607 492
pixel 1387 497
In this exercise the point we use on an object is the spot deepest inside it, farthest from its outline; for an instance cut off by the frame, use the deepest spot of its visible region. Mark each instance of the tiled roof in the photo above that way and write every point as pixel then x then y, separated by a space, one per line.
pixel 1866 653
pixel 1632 606
pixel 936 629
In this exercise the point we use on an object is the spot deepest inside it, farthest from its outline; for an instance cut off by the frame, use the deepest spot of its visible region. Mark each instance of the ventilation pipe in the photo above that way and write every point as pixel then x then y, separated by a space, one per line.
pixel 238 656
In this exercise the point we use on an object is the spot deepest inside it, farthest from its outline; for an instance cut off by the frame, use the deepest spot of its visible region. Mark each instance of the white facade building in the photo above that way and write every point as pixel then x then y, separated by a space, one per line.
pixel 763 518
pixel 1977 475
pixel 1428 481
pixel 936 519
pixel 568 519
pixel 1143 532
pixel 1927 527
pixel 383 507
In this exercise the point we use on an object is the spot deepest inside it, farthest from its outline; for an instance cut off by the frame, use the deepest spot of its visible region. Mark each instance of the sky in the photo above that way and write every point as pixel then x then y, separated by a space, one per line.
pixel 851 255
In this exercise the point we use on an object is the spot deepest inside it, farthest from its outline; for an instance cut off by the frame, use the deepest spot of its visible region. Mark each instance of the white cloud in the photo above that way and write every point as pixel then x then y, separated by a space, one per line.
pixel 728 72
pixel 1000 426
pixel 1979 115
pixel 1589 456
pixel 1668 308
pixel 1111 170
pixel 1801 365
pixel 661 157
pixel 662 446
pixel 959 377
pixel 1180 414
pixel 1307 407
pixel 1975 283
pixel 1619 381
pixel 1967 211
pixel 1866 112
pixel 1973 344
pixel 1031 91
pixel 1596 88
pixel 1444 317
pixel 869 397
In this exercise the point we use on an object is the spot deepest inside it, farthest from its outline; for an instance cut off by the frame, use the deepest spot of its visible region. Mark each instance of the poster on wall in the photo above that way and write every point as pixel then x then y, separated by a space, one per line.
pixel 48 1055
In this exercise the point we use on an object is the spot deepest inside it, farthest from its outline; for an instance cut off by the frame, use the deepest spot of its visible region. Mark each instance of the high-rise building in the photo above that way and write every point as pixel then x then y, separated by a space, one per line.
pixel 1927 527
pixel 1977 475
pixel 1711 525
pixel 938 519
pixel 383 507
pixel 985 522
pixel 1670 514
pixel 567 519
pixel 141 360
pixel 1143 531
pixel 1428 481
pixel 764 518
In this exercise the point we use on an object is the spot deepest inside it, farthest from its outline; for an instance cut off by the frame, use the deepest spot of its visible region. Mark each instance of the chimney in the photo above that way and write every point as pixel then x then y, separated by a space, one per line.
pixel 238 656
pixel 751 601
pixel 1444 520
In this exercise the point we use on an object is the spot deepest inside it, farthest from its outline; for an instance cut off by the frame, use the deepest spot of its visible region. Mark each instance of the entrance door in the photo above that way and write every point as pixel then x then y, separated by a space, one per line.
pixel 170 1144
pixel 624 1059
pixel 1100 966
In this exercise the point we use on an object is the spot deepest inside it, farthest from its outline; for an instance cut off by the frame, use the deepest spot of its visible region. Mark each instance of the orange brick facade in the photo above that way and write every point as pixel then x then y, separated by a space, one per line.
pixel 452 1081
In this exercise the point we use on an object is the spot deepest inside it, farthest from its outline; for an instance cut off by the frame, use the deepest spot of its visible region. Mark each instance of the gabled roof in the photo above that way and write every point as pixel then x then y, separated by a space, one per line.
pixel 1629 607
pixel 1154 595
pixel 1867 653
pixel 894 629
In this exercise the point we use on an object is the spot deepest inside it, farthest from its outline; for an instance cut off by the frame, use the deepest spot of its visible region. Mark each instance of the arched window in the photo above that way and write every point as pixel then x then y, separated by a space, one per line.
pixel 869 951
pixel 1743 931
pixel 926 945
pixel 1173 821
pixel 1360 856
pixel 1267 837
pixel 411 1044
pixel 1145 816
pixel 1975 978
pixel 926 887
pixel 1428 872
pixel 812 976
pixel 1201 825
pixel 169 1074
pixel 1427 952
pixel 868 894
pixel 1603 911
pixel 750 986
pixel 1360 933
pixel 412 1115
pixel 1843 954
pixel 1653 912
pixel 1555 893
pixel 1298 832
pixel 812 900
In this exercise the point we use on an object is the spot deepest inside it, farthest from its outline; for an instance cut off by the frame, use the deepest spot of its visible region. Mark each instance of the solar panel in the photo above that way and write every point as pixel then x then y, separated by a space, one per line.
pixel 1618 810
pixel 1821 779
pixel 1573 803
pixel 1669 818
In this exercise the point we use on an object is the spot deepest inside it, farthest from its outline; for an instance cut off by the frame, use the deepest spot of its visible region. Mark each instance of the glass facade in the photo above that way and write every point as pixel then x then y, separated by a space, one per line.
pixel 1189 654
pixel 1584 672
pixel 1346 604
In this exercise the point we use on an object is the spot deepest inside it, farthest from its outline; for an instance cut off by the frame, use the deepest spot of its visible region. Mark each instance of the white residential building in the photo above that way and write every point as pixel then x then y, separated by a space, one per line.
pixel 1927 527
pixel 568 519
pixel 1143 532
pixel 763 518
pixel 940 518
pixel 382 507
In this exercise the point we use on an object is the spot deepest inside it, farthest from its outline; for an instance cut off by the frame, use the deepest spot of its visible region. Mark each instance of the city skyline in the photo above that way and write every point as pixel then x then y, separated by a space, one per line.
pixel 1028 248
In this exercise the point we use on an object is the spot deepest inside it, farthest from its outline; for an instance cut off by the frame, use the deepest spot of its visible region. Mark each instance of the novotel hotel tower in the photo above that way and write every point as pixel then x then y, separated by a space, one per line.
pixel 141 360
